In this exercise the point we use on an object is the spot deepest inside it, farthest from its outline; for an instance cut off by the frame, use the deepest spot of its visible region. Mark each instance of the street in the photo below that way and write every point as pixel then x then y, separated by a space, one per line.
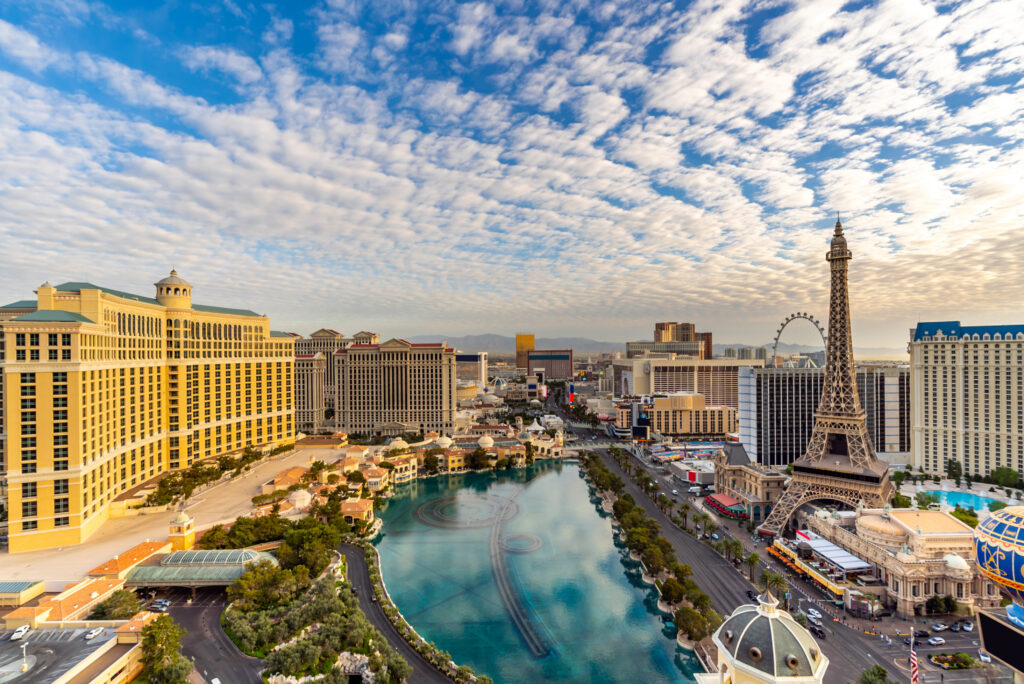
pixel 205 642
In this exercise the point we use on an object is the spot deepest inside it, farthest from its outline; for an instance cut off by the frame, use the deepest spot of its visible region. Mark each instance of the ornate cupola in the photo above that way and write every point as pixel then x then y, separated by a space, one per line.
pixel 174 292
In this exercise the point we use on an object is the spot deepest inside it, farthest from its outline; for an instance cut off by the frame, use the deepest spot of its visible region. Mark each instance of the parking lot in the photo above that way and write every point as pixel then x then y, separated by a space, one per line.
pixel 49 652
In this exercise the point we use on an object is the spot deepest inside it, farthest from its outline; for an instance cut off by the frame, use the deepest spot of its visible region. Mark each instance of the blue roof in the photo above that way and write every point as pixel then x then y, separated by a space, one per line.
pixel 954 329
pixel 278 333
pixel 21 304
pixel 16 587
pixel 78 287
pixel 53 316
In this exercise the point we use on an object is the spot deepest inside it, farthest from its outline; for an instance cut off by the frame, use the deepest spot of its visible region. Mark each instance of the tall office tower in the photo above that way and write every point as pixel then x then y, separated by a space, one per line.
pixel 761 353
pixel 105 390
pixel 525 343
pixel 310 387
pixel 716 379
pixel 704 338
pixel 671 331
pixel 745 353
pixel 967 396
pixel 395 387
pixel 552 364
pixel 777 410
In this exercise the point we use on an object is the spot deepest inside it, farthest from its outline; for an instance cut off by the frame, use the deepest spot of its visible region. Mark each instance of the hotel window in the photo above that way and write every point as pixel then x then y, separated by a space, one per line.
pixel 61 505
pixel 28 490
pixel 29 525
pixel 62 521
pixel 52 337
pixel 28 509
pixel 60 486
pixel 33 340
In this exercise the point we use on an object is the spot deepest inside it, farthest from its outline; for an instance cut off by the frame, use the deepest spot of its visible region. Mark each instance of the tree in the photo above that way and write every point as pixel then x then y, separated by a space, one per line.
pixel 120 605
pixel 684 512
pixel 672 590
pixel 1005 477
pixel 356 477
pixel 996 505
pixel 876 674
pixel 161 651
pixel 924 499
pixel 900 501
pixel 954 471
pixel 949 604
pixel 966 516
pixel 801 619
pixel 691 623
pixel 751 562
pixel 431 463
pixel 773 581
pixel 898 477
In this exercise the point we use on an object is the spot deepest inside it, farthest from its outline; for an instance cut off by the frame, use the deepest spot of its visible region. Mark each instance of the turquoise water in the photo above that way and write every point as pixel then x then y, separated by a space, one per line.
pixel 965 499
pixel 541 556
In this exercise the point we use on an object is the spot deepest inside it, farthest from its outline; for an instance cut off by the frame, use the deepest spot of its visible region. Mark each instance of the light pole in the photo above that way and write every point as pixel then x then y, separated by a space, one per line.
pixel 24 658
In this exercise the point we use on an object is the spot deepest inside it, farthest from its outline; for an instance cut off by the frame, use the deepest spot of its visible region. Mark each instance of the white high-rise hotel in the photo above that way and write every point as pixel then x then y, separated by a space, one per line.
pixel 967 398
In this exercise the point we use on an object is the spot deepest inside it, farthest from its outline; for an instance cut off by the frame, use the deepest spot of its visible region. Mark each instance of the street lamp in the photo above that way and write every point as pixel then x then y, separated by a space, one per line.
pixel 24 658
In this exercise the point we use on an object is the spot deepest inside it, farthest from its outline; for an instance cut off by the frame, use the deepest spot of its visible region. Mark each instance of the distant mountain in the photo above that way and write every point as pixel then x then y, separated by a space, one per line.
pixel 504 344
pixel 863 353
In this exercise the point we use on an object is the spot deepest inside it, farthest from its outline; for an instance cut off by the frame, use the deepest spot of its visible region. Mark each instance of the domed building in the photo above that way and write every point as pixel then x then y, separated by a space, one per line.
pixel 443 442
pixel 398 444
pixel 485 442
pixel 760 644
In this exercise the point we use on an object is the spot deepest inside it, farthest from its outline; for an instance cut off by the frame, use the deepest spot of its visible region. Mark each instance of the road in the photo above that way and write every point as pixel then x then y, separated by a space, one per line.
pixel 359 575
pixel 205 642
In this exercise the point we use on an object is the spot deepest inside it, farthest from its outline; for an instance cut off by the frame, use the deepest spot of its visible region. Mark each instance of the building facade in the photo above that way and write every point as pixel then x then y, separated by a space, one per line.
pixel 967 397
pixel 756 487
pixel 692 348
pixel 395 387
pixel 683 415
pixel 104 390
pixel 716 379
pixel 310 392
pixel 777 405
pixel 327 341
pixel 525 343
pixel 552 364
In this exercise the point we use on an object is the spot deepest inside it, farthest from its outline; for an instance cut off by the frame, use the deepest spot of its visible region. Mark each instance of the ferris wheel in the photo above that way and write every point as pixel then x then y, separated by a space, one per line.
pixel 795 316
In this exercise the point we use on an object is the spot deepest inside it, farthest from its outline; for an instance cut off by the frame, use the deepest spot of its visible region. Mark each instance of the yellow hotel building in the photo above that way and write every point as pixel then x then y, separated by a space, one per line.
pixel 103 390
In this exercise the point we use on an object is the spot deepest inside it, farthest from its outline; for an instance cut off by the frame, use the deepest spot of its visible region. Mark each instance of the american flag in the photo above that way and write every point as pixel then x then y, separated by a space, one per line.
pixel 914 673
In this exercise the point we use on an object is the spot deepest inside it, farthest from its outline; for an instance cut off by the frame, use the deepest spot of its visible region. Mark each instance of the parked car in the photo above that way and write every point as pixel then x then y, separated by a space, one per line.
pixel 936 641
pixel 984 657
pixel 751 594
pixel 939 627
pixel 955 627
pixel 814 621
pixel 814 613
pixel 674 492
pixel 922 633
pixel 908 641
pixel 714 535
pixel 19 633
pixel 968 627
pixel 93 633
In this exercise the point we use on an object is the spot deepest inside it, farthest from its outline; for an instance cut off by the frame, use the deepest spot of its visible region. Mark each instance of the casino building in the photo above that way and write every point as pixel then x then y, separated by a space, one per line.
pixel 104 390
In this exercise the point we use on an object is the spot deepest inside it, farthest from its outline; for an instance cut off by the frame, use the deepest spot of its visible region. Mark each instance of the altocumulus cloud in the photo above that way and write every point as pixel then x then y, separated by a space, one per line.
pixel 563 167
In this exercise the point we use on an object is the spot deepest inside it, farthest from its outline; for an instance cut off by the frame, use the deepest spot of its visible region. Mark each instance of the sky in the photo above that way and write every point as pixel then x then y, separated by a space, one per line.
pixel 561 167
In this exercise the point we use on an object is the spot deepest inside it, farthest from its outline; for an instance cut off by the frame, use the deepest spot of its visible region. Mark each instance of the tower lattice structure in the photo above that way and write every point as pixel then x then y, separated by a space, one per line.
pixel 840 462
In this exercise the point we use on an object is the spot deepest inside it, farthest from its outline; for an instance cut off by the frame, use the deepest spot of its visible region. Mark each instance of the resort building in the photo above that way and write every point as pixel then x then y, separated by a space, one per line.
pixel 753 487
pixel 551 364
pixel 968 396
pixel 777 405
pixel 104 390
pixel 525 344
pixel 395 387
pixel 681 414
pixel 327 342
pixel 716 379
pixel 911 555
pixel 310 392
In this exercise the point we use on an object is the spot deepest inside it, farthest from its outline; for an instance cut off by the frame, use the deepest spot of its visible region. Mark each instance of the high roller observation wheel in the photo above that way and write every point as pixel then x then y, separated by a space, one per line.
pixel 789 319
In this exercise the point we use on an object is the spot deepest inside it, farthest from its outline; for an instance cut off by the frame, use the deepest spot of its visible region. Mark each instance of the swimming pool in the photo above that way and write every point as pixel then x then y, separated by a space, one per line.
pixel 964 499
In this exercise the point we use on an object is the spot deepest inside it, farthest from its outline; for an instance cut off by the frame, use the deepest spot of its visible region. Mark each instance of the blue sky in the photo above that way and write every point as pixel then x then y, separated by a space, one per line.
pixel 568 168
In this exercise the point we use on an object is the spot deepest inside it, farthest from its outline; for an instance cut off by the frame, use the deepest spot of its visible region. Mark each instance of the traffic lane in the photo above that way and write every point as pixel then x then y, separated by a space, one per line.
pixel 359 576
pixel 206 644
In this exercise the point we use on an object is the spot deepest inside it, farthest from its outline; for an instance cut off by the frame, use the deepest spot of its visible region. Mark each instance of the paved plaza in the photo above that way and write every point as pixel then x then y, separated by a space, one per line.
pixel 219 504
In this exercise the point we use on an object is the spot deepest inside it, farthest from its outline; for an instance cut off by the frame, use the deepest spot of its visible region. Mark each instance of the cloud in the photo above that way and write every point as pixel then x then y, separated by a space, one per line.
pixel 23 47
pixel 227 60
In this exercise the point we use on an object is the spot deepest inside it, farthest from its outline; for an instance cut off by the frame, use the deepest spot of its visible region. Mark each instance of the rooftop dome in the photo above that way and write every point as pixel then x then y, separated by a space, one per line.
pixel 491 399
pixel 881 529
pixel 535 402
pixel 182 517
pixel 485 442
pixel 443 442
pixel 398 443
pixel 770 642
pixel 173 279
pixel 955 562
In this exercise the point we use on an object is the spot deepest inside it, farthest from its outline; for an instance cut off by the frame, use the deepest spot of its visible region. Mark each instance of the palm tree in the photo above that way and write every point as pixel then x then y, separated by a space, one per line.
pixel 773 581
pixel 737 548
pixel 752 562
pixel 684 512
pixel 710 526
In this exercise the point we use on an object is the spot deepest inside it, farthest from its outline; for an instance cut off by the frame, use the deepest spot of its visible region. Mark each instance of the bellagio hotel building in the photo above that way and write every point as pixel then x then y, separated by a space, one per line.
pixel 104 390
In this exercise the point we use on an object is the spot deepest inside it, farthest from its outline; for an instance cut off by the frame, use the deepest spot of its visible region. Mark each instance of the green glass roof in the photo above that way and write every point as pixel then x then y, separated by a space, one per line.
pixel 78 287
pixel 53 316
pixel 15 587
pixel 197 567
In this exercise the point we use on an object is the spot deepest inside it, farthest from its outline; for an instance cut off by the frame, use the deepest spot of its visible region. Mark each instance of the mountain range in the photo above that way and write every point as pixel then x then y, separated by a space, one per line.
pixel 506 345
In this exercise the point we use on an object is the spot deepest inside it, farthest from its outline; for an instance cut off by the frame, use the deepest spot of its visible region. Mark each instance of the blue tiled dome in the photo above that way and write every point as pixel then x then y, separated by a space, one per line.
pixel 999 549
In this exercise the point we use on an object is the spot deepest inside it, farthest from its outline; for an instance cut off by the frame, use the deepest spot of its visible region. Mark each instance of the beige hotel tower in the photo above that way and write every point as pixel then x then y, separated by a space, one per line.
pixel 103 390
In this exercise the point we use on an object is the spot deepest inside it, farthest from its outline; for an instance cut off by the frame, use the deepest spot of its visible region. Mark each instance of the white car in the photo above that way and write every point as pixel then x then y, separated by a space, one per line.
pixel 968 627
pixel 936 641
pixel 814 621
pixel 813 613
pixel 19 633
pixel 93 633
pixel 984 657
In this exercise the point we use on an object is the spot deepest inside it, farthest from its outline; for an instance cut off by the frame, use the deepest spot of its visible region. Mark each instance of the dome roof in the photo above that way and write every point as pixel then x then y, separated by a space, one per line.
pixel 173 279
pixel 491 398
pixel 398 443
pixel 443 442
pixel 769 640
pixel 955 562
pixel 882 525
pixel 485 442
pixel 535 402
pixel 182 517
pixel 996 549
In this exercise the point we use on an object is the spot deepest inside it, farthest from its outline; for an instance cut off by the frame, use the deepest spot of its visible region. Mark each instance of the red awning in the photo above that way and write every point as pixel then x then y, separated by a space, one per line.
pixel 723 500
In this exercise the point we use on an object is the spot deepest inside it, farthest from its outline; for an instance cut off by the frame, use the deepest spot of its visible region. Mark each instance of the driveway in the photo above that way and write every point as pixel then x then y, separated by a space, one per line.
pixel 205 642
pixel 359 575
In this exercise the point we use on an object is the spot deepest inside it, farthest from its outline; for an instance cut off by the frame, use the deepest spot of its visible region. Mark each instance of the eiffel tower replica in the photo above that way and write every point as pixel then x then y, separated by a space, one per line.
pixel 840 462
